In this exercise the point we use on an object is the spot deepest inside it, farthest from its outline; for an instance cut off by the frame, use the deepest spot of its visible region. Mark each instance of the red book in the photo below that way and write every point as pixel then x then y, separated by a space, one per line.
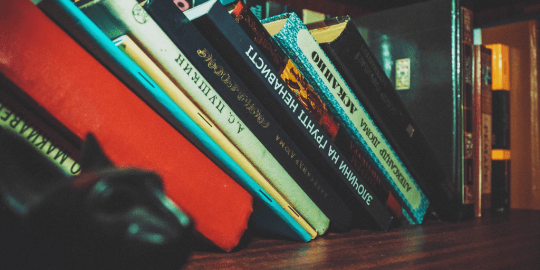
pixel 77 90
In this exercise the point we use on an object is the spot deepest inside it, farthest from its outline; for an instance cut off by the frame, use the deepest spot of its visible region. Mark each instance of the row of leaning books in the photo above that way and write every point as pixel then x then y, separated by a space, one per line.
pixel 289 127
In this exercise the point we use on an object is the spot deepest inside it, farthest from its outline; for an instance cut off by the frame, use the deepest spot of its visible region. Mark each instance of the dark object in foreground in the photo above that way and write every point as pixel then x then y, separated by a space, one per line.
pixel 104 218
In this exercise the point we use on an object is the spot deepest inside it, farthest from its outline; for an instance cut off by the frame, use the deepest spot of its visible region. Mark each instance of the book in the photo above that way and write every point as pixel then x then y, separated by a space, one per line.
pixel 346 48
pixel 220 29
pixel 53 69
pixel 262 190
pixel 498 192
pixel 297 42
pixel 35 125
pixel 312 103
pixel 423 56
pixel 482 115
pixel 235 93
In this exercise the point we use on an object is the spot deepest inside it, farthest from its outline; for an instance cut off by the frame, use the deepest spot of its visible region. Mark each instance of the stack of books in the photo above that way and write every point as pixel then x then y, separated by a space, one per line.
pixel 292 128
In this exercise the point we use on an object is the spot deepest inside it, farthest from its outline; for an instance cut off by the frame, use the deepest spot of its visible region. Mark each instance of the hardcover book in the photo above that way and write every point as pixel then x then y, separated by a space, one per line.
pixel 261 188
pixel 263 81
pixel 482 115
pixel 207 57
pixel 191 74
pixel 54 70
pixel 343 43
pixel 312 103
pixel 297 42
pixel 425 58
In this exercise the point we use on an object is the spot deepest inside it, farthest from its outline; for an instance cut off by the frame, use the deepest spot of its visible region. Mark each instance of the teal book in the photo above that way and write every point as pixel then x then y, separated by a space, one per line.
pixel 294 38
pixel 83 30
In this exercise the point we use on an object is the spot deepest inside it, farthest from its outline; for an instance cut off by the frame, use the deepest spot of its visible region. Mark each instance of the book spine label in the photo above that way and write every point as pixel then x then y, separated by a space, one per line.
pixel 335 91
pixel 10 119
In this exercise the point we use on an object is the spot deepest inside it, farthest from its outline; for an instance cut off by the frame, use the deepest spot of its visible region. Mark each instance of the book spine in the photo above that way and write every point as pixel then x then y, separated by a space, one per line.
pixel 480 118
pixel 15 117
pixel 303 231
pixel 467 98
pixel 298 43
pixel 199 54
pixel 487 127
pixel 482 114
pixel 86 97
pixel 259 75
pixel 312 102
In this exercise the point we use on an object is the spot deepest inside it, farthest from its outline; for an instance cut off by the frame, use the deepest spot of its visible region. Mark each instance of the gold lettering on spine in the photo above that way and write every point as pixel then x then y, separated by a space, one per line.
pixel 231 85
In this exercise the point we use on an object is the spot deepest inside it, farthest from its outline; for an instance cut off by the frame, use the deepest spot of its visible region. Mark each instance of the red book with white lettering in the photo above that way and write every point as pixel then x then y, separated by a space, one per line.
pixel 77 90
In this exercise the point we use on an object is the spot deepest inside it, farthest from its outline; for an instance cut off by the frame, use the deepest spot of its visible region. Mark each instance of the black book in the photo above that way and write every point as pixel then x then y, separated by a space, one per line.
pixel 428 58
pixel 228 38
pixel 342 42
pixel 205 57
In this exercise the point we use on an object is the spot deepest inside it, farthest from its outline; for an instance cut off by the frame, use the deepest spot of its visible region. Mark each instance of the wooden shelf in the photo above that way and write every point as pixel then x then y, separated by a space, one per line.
pixel 490 242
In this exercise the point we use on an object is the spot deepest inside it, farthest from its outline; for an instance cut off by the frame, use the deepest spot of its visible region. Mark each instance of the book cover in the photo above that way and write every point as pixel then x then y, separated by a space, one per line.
pixel 482 115
pixel 312 103
pixel 265 193
pixel 423 58
pixel 82 94
pixel 346 48
pixel 217 70
pixel 218 26
pixel 297 42
pixel 498 192
pixel 193 74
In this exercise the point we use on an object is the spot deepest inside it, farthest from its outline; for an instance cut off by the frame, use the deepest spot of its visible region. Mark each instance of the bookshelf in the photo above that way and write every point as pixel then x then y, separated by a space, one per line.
pixel 490 242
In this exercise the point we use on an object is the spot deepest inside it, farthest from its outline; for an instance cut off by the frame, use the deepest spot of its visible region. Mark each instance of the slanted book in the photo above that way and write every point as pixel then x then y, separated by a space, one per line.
pixel 263 81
